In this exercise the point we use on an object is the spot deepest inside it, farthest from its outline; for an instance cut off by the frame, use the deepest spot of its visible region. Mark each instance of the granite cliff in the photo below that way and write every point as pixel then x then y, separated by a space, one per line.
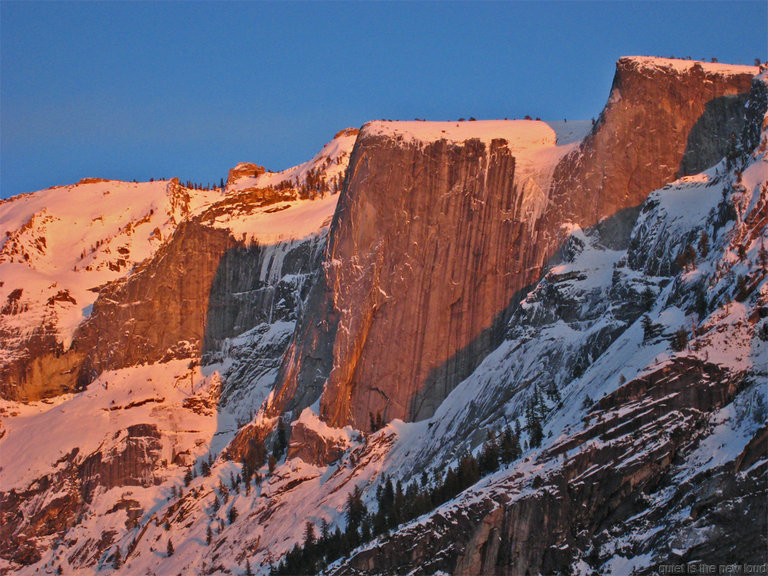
pixel 441 228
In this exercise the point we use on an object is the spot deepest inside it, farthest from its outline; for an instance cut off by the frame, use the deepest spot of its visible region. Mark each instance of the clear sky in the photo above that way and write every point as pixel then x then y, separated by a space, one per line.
pixel 160 89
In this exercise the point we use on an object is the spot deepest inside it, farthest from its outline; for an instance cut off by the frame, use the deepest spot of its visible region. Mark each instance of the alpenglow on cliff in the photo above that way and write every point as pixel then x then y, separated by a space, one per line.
pixel 434 348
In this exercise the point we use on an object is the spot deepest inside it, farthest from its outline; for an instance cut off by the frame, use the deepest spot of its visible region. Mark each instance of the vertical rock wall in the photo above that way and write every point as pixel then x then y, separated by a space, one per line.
pixel 430 244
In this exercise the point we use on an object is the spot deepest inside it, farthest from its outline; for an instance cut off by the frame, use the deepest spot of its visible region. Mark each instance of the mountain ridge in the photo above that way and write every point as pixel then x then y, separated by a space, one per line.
pixel 653 454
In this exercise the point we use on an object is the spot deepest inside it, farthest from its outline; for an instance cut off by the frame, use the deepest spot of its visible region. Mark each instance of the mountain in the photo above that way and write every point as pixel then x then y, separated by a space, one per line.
pixel 420 281
pixel 448 347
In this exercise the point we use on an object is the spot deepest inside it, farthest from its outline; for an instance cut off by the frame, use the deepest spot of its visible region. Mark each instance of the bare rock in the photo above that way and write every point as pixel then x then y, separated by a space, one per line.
pixel 244 169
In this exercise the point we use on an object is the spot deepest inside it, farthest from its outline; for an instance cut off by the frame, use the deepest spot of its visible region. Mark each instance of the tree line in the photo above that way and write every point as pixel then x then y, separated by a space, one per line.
pixel 396 505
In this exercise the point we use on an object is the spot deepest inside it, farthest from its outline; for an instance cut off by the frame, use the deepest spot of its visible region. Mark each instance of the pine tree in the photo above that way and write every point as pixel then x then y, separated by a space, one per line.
pixel 281 442
pixel 762 255
pixel 387 501
pixel 117 559
pixel 649 328
pixel 232 515
pixel 700 302
pixel 740 293
pixel 703 245
pixel 510 446
pixel 687 258
pixel 208 535
pixel 468 472
pixel 679 339
pixel 309 534
pixel 536 433
pixel 354 509
pixel 489 455
pixel 169 550
pixel 248 571
pixel 366 528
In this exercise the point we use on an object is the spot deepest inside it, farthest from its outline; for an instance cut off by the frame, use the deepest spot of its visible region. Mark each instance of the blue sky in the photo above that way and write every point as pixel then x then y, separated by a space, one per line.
pixel 162 89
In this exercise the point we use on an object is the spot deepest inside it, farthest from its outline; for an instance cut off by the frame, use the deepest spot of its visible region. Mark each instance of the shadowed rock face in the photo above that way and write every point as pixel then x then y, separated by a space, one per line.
pixel 528 526
pixel 125 327
pixel 430 244
pixel 658 123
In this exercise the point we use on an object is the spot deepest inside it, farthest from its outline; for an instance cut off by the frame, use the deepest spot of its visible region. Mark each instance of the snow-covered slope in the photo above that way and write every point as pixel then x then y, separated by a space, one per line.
pixel 324 172
pixel 520 134
pixel 60 243
pixel 87 462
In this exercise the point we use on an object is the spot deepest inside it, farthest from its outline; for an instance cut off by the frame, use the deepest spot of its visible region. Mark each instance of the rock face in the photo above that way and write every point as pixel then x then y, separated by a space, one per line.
pixel 402 264
pixel 43 370
pixel 126 327
pixel 433 242
pixel 256 285
pixel 638 482
pixel 158 312
pixel 29 514
pixel 530 525
pixel 244 169
pixel 664 118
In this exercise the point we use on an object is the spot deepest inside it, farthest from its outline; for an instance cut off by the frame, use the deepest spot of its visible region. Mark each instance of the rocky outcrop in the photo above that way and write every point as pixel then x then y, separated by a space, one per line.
pixel 57 502
pixel 620 465
pixel 313 447
pixel 245 169
pixel 132 464
pixel 42 369
pixel 433 242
